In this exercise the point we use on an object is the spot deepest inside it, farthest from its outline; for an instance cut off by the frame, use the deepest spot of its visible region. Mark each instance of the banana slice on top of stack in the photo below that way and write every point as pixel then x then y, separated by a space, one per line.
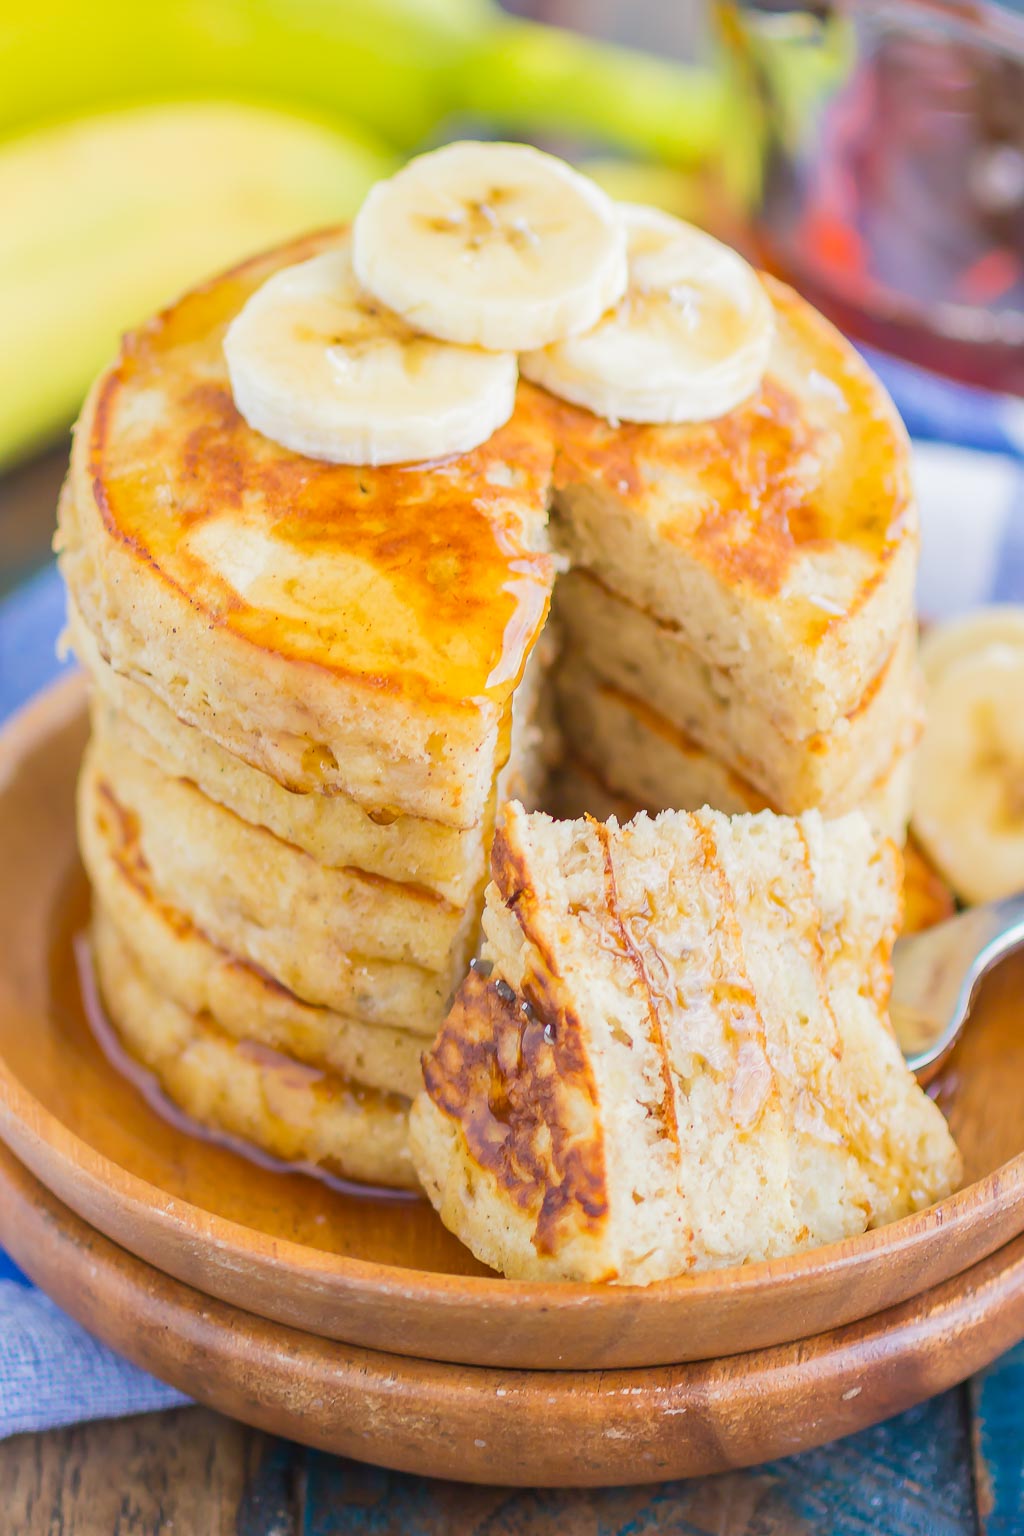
pixel 492 245
pixel 321 367
pixel 969 777
pixel 401 345
pixel 688 341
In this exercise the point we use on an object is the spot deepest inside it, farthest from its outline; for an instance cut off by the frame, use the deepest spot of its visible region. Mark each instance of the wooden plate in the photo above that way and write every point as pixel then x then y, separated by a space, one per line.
pixel 383 1273
pixel 535 1428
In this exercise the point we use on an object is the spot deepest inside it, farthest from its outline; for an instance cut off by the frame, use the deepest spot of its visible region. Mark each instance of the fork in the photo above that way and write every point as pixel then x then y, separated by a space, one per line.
pixel 936 976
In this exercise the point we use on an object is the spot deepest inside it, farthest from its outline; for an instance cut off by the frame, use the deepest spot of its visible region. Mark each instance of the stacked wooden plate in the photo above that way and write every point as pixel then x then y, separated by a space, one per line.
pixel 358 1324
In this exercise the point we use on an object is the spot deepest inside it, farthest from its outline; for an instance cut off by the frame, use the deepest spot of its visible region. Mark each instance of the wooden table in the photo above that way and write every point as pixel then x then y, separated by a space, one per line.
pixel 952 1467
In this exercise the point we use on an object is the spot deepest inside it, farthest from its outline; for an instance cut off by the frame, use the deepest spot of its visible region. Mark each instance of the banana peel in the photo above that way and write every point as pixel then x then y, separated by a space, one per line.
pixel 119 212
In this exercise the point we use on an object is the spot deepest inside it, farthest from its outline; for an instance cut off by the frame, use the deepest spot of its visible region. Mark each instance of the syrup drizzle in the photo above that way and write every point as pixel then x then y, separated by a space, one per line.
pixel 146 1083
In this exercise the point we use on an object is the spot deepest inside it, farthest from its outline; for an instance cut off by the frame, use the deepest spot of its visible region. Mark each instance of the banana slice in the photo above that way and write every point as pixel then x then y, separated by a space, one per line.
pixel 944 645
pixel 491 245
pixel 969 778
pixel 688 342
pixel 318 365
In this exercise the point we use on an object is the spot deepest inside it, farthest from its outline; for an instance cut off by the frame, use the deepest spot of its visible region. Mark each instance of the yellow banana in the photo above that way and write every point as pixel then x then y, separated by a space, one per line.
pixel 398 66
pixel 118 212
pixel 384 63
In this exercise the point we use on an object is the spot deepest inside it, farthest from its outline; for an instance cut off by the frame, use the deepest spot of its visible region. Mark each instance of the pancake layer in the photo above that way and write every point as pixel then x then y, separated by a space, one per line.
pixel 182 962
pixel 294 1112
pixel 344 629
pixel 648 659
pixel 624 756
pixel 363 630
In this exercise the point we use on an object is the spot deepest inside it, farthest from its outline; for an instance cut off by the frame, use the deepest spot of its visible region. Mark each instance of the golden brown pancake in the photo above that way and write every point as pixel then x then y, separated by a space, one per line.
pixel 305 672
pixel 401 996
pixel 781 539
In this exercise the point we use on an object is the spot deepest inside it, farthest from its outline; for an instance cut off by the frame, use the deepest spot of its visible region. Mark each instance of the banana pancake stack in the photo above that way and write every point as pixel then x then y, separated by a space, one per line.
pixel 313 523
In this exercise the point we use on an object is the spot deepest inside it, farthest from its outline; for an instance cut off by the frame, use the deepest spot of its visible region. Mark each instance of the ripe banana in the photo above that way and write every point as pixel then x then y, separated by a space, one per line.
pixel 117 213
pixel 398 66
pixel 491 245
pixel 969 778
pixel 688 342
pixel 524 78
pixel 319 366
pixel 386 64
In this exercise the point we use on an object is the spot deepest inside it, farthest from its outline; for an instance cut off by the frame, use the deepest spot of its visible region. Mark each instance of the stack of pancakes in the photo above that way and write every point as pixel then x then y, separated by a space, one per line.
pixel 313 685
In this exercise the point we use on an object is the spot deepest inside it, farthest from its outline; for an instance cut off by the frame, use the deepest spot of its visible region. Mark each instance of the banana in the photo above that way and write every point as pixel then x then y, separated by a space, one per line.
pixel 119 212
pixel 386 64
pixel 491 245
pixel 321 367
pixel 689 340
pixel 943 645
pixel 968 804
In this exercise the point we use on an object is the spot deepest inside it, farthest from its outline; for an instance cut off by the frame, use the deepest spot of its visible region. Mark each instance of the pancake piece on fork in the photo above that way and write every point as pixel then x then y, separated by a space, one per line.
pixel 681 1057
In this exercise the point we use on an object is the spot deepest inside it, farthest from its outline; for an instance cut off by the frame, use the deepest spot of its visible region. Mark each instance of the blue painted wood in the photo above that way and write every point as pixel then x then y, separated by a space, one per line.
pixel 996 1399
pixel 908 1477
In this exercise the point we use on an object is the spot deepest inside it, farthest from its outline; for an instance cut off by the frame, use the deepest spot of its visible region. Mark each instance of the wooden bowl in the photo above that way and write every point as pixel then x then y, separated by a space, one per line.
pixel 533 1428
pixel 382 1273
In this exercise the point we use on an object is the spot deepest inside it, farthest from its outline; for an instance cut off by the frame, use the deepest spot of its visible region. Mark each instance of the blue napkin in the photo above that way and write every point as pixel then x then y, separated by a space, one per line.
pixel 969 467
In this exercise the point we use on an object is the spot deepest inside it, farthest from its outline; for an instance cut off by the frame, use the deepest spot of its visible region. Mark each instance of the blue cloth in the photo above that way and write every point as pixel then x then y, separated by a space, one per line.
pixel 51 1371
pixel 969 466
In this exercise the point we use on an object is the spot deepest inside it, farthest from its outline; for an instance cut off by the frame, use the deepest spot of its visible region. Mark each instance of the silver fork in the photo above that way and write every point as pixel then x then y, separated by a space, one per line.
pixel 936 975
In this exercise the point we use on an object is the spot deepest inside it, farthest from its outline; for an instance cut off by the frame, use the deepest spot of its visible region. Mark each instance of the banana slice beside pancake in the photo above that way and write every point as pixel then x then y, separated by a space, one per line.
pixel 688 341
pixel 319 366
pixel 969 777
pixel 491 245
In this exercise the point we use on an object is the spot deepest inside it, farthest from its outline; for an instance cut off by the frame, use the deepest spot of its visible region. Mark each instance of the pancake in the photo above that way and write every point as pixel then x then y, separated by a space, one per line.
pixel 332 829
pixel 314 684
pixel 404 997
pixel 643 762
pixel 681 1058
pixel 294 1112
pixel 223 869
pixel 182 963
pixel 781 539
pixel 644 657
